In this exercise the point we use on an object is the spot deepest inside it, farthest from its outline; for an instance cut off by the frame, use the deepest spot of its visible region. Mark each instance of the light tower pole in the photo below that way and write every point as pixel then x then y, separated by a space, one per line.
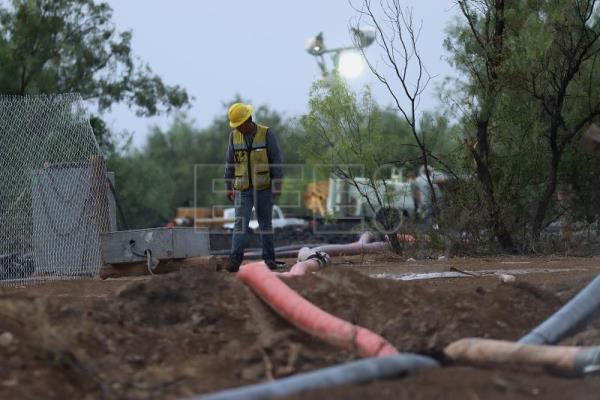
pixel 315 46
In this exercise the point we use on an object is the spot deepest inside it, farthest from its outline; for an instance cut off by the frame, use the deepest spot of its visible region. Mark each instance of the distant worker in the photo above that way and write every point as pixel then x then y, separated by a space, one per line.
pixel 424 193
pixel 411 178
pixel 253 174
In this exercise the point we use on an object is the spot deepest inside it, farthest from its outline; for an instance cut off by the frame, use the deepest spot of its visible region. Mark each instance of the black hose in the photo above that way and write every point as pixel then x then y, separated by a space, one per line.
pixel 220 252
pixel 282 251
pixel 258 255
pixel 297 246
pixel 118 202
pixel 571 317
pixel 361 371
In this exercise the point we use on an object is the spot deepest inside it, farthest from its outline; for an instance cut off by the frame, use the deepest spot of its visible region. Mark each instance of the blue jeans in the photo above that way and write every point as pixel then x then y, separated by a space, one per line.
pixel 262 201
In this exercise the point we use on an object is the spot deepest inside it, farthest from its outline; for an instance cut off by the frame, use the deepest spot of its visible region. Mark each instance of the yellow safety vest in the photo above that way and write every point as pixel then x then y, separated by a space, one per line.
pixel 253 159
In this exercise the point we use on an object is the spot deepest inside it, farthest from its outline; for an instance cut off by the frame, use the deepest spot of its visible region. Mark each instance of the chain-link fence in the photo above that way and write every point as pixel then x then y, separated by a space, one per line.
pixel 53 197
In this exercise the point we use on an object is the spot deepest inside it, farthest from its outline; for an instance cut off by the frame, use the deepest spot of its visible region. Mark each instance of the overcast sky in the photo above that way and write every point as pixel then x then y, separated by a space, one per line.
pixel 217 49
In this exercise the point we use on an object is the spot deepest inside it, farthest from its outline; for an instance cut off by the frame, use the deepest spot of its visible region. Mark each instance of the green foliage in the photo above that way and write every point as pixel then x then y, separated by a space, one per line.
pixel 362 144
pixel 579 180
pixel 533 91
pixel 63 46
pixel 146 189
pixel 343 129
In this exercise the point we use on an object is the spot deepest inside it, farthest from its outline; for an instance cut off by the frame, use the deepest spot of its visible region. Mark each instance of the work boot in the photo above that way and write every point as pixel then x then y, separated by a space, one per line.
pixel 273 265
pixel 232 266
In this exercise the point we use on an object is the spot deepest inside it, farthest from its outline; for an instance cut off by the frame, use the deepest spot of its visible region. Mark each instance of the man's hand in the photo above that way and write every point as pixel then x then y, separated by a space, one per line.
pixel 231 194
pixel 276 188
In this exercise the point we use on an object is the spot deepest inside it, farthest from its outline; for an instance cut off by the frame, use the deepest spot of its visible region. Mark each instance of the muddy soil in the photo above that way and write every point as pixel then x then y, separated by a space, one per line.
pixel 197 331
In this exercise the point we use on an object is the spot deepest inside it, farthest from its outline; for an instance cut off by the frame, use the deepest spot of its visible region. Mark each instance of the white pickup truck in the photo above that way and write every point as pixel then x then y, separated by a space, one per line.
pixel 279 220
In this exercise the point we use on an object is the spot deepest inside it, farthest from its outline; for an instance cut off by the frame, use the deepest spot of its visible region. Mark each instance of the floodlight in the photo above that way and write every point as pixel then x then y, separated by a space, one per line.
pixel 315 45
pixel 350 64
pixel 364 37
pixel 345 59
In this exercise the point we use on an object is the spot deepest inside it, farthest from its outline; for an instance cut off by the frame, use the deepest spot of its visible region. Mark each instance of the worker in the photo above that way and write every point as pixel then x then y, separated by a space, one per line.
pixel 253 174
pixel 411 177
pixel 425 191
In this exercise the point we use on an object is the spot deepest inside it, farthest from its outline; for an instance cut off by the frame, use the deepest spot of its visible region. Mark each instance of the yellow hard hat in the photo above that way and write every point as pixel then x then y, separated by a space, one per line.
pixel 239 113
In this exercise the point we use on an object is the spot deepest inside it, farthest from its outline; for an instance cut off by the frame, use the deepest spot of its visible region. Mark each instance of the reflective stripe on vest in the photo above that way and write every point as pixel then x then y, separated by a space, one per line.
pixel 254 159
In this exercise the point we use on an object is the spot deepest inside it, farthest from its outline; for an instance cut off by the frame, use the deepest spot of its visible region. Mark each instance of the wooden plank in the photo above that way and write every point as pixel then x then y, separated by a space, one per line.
pixel 198 212
pixel 212 222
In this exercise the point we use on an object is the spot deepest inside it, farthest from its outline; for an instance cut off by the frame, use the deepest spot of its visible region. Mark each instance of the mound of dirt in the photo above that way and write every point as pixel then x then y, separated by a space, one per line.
pixel 197 331
pixel 167 337
pixel 417 318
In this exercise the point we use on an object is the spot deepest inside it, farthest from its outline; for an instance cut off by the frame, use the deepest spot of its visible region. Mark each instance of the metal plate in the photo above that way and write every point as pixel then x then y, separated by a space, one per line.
pixel 163 243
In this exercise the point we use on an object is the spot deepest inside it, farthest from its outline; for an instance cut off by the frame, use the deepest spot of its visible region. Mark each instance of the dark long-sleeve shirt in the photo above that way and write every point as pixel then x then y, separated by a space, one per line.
pixel 273 153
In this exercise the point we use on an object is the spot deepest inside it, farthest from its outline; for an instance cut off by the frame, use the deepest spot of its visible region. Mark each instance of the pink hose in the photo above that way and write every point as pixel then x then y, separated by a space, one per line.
pixel 353 248
pixel 366 237
pixel 364 245
pixel 308 317
pixel 301 268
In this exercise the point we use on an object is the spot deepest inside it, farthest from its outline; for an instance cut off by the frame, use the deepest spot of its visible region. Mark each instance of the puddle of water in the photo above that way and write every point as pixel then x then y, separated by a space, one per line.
pixel 454 274
pixel 412 276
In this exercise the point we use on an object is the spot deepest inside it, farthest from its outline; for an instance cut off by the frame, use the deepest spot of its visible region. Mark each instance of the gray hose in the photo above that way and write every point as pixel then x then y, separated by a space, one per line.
pixel 360 371
pixel 572 317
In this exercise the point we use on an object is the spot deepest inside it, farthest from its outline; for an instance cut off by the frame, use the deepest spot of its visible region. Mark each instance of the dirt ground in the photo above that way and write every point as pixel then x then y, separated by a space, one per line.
pixel 199 330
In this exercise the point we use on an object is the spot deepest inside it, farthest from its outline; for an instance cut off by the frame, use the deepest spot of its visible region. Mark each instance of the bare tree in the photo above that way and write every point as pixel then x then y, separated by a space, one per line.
pixel 403 74
pixel 345 132
pixel 486 24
